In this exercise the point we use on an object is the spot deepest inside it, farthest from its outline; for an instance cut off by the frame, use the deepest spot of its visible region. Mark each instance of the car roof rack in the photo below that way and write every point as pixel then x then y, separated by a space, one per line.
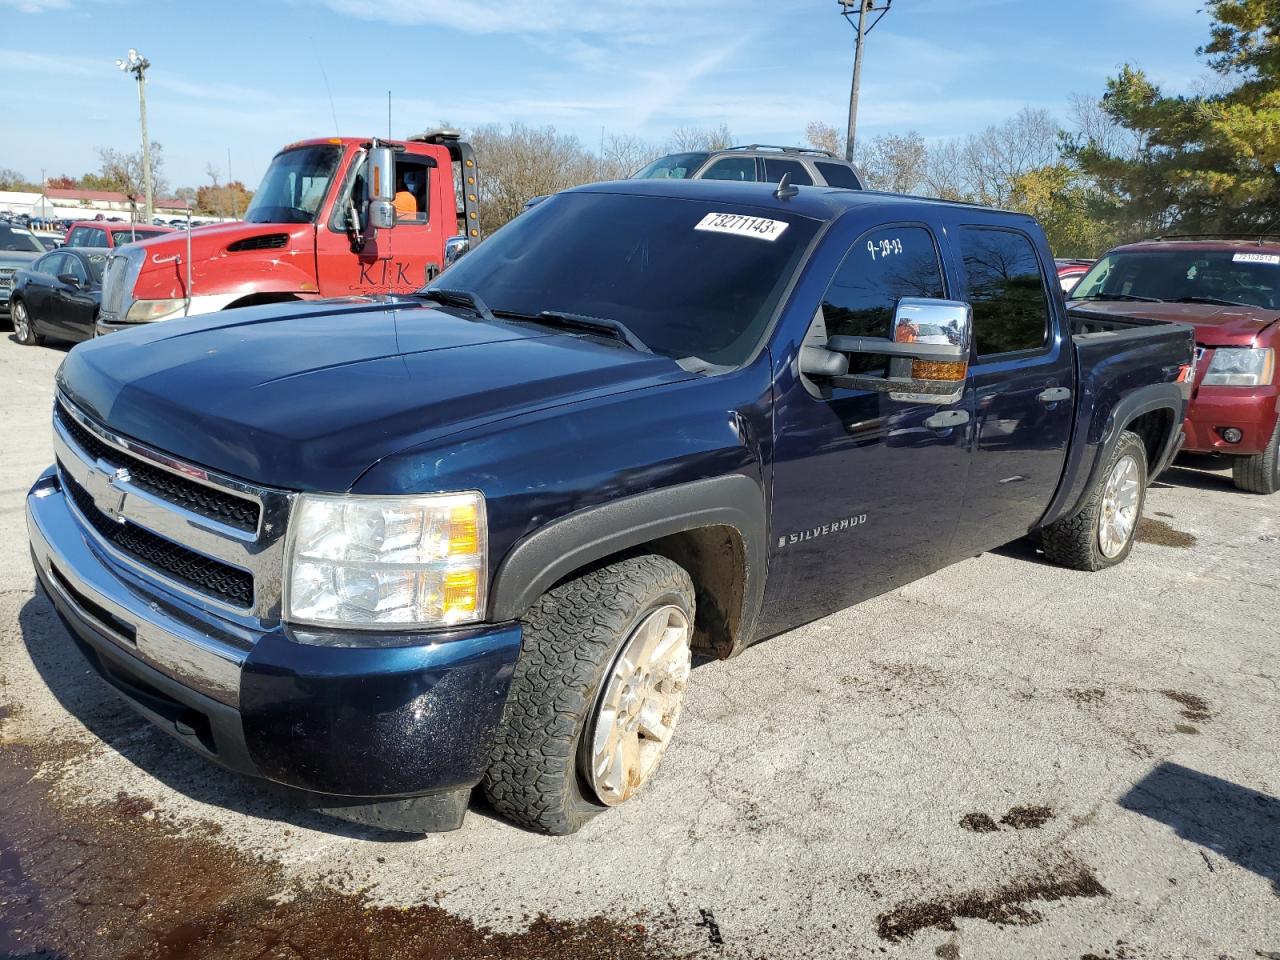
pixel 1258 238
pixel 815 151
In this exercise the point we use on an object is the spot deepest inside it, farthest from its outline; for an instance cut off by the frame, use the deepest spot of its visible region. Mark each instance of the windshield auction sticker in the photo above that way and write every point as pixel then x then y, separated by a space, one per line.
pixel 761 228
pixel 1270 258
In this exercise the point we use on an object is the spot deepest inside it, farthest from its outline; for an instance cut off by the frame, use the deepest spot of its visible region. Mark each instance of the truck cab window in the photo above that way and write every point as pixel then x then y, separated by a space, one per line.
pixel 881 268
pixel 1006 289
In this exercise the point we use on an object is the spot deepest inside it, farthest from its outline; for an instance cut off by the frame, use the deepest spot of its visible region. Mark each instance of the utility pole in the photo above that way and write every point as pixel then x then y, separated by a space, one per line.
pixel 861 29
pixel 137 65
pixel 235 206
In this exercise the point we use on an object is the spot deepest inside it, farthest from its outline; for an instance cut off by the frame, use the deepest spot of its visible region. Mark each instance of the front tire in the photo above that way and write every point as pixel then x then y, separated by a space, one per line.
pixel 597 689
pixel 1102 534
pixel 1259 473
pixel 23 329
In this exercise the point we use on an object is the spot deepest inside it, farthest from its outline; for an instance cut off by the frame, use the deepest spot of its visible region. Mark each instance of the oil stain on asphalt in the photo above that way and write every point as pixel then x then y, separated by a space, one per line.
pixel 107 881
pixel 1163 535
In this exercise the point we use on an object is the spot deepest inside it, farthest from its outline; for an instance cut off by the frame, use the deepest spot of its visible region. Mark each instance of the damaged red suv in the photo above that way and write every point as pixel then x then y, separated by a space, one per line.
pixel 1229 290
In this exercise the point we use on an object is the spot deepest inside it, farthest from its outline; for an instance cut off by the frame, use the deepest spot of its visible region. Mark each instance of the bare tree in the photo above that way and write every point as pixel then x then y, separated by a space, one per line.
pixel 123 172
pixel 685 139
pixel 623 155
pixel 894 162
pixel 823 136
pixel 993 159
pixel 943 172
pixel 520 162
pixel 1089 124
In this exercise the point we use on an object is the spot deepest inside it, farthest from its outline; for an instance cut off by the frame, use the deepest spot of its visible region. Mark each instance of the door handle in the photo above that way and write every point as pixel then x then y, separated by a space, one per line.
pixel 946 419
pixel 1054 395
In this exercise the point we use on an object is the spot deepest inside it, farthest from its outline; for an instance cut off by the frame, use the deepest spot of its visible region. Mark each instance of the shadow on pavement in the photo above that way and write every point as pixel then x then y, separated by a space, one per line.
pixel 91 701
pixel 1235 822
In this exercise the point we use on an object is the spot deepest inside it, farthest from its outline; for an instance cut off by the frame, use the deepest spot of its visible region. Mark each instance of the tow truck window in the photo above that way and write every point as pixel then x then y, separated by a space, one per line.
pixel 412 199
pixel 294 186
pixel 1010 310
pixel 688 278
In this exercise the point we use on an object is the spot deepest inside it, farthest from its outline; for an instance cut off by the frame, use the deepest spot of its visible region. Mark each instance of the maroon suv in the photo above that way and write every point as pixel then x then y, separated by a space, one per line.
pixel 1229 290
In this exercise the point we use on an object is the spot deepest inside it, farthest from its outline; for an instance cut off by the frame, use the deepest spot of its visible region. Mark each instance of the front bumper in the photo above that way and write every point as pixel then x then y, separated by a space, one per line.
pixel 357 731
pixel 1251 410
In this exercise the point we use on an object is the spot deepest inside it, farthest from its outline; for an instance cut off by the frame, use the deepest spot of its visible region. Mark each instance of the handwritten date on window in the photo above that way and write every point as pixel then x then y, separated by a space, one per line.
pixel 883 249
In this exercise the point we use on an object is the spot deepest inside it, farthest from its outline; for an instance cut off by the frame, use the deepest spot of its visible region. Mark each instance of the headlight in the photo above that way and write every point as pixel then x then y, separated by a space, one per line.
pixel 386 562
pixel 144 311
pixel 1240 367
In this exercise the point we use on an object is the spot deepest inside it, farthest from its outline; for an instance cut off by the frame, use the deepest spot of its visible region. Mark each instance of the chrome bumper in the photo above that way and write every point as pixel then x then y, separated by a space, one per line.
pixel 181 642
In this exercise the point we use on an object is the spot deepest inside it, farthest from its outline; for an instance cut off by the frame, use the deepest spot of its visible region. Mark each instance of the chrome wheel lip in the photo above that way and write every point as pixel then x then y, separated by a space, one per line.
pixel 21 324
pixel 639 702
pixel 1121 501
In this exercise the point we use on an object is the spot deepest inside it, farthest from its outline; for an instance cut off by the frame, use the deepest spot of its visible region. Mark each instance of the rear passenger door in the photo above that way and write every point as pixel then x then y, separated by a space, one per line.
pixel 1023 376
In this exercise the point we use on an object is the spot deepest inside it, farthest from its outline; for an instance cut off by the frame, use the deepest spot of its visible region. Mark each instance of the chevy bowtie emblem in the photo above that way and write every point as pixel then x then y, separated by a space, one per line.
pixel 107 491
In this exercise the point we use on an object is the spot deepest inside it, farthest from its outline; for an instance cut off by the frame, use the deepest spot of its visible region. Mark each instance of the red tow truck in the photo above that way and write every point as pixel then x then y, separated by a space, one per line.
pixel 333 217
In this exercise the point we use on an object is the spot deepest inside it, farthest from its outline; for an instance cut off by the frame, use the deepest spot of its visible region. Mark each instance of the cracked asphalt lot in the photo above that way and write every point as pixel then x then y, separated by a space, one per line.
pixel 1003 760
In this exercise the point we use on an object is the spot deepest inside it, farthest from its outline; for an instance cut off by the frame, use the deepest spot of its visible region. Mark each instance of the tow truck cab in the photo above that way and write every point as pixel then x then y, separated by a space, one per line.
pixel 319 226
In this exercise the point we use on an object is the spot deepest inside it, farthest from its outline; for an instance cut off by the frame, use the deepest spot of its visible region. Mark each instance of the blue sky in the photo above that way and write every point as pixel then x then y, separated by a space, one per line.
pixel 248 76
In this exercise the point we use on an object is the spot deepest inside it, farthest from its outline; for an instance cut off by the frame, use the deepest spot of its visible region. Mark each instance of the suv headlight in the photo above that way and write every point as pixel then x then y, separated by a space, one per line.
pixel 1240 367
pixel 386 562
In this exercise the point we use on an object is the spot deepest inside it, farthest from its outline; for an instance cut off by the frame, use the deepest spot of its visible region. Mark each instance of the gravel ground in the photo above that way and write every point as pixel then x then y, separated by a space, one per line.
pixel 1003 760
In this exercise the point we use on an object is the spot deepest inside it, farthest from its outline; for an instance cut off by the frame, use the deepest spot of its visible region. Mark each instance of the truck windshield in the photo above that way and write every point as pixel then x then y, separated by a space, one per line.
pixel 1247 277
pixel 677 166
pixel 690 279
pixel 294 186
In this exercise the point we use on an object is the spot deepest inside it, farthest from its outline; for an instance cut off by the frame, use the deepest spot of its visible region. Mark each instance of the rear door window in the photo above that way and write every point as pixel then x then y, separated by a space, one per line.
pixel 742 169
pixel 775 167
pixel 1006 289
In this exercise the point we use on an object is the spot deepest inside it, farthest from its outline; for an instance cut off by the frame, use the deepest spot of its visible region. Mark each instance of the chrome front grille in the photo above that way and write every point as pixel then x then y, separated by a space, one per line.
pixel 118 279
pixel 6 277
pixel 206 535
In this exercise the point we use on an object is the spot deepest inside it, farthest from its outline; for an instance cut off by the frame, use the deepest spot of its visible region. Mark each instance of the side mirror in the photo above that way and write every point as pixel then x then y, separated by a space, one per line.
pixel 927 351
pixel 380 186
pixel 455 248
pixel 70 279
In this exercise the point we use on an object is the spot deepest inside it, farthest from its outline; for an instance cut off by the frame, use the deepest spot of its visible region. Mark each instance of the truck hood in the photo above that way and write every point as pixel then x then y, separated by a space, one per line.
pixel 1215 326
pixel 308 397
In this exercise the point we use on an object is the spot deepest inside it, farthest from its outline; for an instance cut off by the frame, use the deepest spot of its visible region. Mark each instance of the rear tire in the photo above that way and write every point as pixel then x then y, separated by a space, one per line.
pixel 1259 473
pixel 23 329
pixel 1103 532
pixel 540 770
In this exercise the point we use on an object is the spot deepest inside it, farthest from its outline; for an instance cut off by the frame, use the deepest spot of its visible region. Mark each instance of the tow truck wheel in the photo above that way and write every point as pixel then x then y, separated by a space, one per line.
pixel 1259 473
pixel 1102 533
pixel 23 332
pixel 598 687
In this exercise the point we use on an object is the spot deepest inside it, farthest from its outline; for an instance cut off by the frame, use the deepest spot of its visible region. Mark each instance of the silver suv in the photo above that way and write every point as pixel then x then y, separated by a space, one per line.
pixel 756 162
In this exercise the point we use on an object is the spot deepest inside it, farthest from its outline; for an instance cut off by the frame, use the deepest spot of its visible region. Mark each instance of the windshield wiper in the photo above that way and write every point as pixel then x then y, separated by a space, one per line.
pixel 582 321
pixel 1216 301
pixel 457 298
pixel 1120 296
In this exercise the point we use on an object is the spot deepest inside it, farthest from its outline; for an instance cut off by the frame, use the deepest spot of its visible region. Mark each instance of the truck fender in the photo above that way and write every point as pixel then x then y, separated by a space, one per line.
pixel 573 542
pixel 1156 396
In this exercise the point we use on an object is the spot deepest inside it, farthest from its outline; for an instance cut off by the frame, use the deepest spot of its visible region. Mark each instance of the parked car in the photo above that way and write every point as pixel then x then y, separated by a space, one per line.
pixel 58 296
pixel 473 535
pixel 1229 290
pixel 50 241
pixel 756 163
pixel 18 247
pixel 105 233
pixel 750 163
pixel 1070 272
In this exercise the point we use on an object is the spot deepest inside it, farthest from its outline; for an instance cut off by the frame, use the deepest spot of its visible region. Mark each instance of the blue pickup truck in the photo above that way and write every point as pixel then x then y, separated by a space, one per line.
pixel 380 551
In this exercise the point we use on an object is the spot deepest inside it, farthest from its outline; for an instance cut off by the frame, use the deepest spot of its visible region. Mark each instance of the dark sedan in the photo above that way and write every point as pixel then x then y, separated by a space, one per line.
pixel 58 295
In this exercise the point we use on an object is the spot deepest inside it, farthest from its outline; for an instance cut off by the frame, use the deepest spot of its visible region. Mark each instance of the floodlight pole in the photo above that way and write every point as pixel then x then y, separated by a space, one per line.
pixel 137 65
pixel 861 29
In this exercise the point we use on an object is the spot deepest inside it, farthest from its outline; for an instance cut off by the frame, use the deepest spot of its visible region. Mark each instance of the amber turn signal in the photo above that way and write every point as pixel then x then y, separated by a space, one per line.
pixel 939 369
